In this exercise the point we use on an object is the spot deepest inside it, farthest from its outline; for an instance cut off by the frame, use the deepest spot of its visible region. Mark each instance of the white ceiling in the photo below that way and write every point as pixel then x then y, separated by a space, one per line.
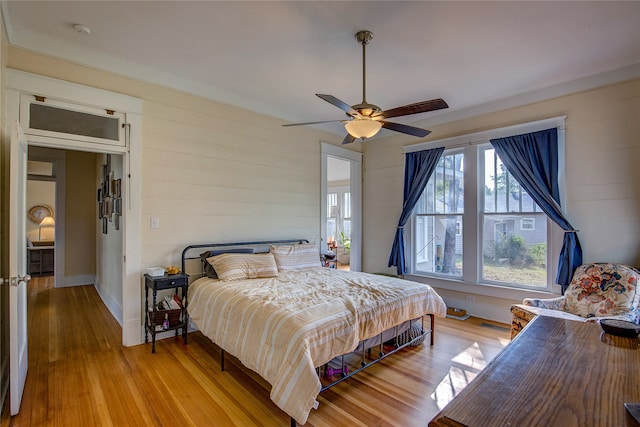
pixel 273 56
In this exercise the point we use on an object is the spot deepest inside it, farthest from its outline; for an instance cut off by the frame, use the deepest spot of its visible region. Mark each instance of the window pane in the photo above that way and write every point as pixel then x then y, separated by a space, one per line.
pixel 513 253
pixel 347 205
pixel 448 185
pixel 489 181
pixel 528 205
pixel 332 205
pixel 502 193
pixel 438 246
pixel 331 228
pixel 347 228
pixel 56 119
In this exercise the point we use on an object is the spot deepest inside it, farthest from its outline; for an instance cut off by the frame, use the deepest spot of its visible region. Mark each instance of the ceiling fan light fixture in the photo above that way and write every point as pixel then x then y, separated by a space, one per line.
pixel 363 128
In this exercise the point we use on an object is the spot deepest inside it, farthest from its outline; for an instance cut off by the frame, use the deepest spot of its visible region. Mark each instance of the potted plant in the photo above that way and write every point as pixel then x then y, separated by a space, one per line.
pixel 344 256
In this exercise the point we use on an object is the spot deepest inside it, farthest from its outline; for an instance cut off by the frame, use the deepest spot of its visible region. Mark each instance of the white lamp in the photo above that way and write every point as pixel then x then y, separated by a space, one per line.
pixel 47 221
pixel 363 127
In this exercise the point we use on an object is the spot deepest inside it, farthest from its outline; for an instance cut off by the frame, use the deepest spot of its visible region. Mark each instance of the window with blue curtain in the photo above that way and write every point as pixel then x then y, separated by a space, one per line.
pixel 498 231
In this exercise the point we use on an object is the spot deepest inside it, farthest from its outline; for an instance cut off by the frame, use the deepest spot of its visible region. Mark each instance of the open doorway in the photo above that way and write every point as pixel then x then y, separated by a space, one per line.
pixel 115 131
pixel 341 207
pixel 339 211
pixel 41 208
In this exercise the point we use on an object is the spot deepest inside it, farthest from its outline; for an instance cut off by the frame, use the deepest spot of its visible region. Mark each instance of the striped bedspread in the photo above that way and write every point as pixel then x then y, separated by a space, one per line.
pixel 283 327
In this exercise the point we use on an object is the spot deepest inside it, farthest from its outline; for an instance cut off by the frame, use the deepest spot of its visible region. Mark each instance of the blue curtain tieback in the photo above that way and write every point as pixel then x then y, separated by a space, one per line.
pixel 571 231
pixel 400 226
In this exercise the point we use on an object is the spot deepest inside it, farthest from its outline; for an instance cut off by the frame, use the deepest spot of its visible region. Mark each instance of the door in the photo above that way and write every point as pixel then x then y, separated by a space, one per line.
pixel 18 355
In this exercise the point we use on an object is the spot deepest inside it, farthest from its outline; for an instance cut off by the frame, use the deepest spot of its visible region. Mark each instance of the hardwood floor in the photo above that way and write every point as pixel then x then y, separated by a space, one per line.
pixel 80 375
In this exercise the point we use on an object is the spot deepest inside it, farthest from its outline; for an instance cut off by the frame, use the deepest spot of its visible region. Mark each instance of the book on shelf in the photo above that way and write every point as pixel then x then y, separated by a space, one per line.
pixel 177 299
pixel 171 303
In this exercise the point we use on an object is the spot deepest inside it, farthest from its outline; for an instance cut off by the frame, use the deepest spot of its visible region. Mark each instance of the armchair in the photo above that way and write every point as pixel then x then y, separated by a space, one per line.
pixel 597 291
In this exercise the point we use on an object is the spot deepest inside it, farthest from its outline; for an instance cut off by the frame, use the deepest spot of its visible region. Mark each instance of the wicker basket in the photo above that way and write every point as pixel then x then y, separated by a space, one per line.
pixel 174 316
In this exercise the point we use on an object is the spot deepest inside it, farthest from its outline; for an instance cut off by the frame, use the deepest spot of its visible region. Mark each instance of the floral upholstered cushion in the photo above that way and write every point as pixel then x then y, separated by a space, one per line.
pixel 550 303
pixel 604 289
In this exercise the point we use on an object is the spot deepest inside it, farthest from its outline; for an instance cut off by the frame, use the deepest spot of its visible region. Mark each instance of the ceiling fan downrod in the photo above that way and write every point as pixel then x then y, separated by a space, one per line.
pixel 364 37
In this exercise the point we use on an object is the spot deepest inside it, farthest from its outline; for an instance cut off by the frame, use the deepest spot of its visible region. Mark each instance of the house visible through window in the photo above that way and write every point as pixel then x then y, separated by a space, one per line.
pixel 504 231
pixel 438 219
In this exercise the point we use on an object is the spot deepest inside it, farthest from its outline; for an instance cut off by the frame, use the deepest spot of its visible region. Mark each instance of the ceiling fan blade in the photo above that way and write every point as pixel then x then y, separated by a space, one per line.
pixel 418 107
pixel 409 130
pixel 340 104
pixel 312 123
pixel 348 139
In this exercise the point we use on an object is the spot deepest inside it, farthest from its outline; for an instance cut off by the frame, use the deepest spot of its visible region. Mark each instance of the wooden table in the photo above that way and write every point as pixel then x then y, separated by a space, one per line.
pixel 556 372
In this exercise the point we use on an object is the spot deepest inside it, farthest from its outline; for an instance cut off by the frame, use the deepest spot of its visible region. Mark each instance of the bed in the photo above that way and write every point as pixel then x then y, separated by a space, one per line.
pixel 284 316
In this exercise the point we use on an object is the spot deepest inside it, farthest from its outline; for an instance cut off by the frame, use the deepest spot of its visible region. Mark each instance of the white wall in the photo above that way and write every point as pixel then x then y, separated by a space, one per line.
pixel 108 248
pixel 602 182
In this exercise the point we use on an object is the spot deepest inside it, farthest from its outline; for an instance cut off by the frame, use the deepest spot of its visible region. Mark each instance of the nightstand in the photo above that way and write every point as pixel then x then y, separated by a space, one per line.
pixel 154 318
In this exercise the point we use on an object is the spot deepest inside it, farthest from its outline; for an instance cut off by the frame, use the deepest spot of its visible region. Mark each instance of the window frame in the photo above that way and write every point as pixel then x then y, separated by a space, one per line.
pixel 471 280
pixel 530 221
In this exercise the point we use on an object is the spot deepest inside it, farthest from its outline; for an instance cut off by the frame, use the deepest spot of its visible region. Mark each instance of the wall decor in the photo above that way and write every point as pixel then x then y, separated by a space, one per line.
pixel 38 212
pixel 109 197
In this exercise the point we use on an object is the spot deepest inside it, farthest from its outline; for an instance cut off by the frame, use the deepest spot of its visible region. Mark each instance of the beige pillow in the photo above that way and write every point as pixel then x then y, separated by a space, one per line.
pixel 230 266
pixel 296 257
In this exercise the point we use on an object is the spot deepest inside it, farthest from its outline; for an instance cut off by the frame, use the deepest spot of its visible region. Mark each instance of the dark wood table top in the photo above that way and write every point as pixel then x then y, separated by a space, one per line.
pixel 556 372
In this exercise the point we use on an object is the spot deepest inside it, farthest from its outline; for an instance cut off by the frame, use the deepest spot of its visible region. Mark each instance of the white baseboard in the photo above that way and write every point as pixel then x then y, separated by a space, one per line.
pixel 111 303
pixel 84 279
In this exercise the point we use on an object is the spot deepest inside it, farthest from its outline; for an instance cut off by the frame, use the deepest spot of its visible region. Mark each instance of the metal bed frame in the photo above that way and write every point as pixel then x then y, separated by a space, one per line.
pixel 366 352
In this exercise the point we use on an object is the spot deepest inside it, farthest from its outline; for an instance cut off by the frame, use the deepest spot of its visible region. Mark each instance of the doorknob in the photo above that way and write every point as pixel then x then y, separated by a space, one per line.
pixel 15 281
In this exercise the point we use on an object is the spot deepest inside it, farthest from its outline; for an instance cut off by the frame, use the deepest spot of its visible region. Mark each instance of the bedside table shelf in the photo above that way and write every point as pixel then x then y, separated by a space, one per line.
pixel 178 318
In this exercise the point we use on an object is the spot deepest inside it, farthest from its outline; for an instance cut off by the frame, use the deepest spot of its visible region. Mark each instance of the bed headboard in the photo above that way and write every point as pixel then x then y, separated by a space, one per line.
pixel 192 265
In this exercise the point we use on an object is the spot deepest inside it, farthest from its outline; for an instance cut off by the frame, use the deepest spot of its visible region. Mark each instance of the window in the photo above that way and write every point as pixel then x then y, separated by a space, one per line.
pixel 527 224
pixel 438 219
pixel 475 225
pixel 339 213
pixel 514 250
pixel 332 214
pixel 509 228
pixel 51 118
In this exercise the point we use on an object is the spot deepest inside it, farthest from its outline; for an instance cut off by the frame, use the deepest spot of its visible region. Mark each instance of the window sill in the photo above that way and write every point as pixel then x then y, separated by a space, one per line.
pixel 494 291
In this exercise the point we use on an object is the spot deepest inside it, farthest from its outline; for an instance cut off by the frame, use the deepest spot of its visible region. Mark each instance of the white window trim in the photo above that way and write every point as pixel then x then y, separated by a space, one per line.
pixel 531 221
pixel 471 276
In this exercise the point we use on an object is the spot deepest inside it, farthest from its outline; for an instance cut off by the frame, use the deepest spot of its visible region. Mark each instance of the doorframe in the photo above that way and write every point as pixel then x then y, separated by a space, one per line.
pixel 355 182
pixel 20 82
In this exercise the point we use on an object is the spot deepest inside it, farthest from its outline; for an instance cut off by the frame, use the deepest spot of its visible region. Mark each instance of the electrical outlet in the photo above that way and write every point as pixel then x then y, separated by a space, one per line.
pixel 155 222
pixel 470 298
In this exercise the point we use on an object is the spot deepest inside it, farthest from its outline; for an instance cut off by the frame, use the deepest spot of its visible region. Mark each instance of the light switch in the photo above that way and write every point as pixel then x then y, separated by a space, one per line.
pixel 155 222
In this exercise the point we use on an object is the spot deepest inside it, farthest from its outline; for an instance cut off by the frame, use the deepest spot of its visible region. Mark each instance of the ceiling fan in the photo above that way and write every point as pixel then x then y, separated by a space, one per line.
pixel 364 119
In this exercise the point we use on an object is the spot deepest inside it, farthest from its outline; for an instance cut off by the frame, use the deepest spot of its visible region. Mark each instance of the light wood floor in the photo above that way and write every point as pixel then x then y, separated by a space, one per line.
pixel 80 375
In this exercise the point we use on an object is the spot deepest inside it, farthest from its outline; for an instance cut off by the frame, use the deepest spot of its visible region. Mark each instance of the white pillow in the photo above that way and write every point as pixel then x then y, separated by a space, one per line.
pixel 296 257
pixel 230 266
